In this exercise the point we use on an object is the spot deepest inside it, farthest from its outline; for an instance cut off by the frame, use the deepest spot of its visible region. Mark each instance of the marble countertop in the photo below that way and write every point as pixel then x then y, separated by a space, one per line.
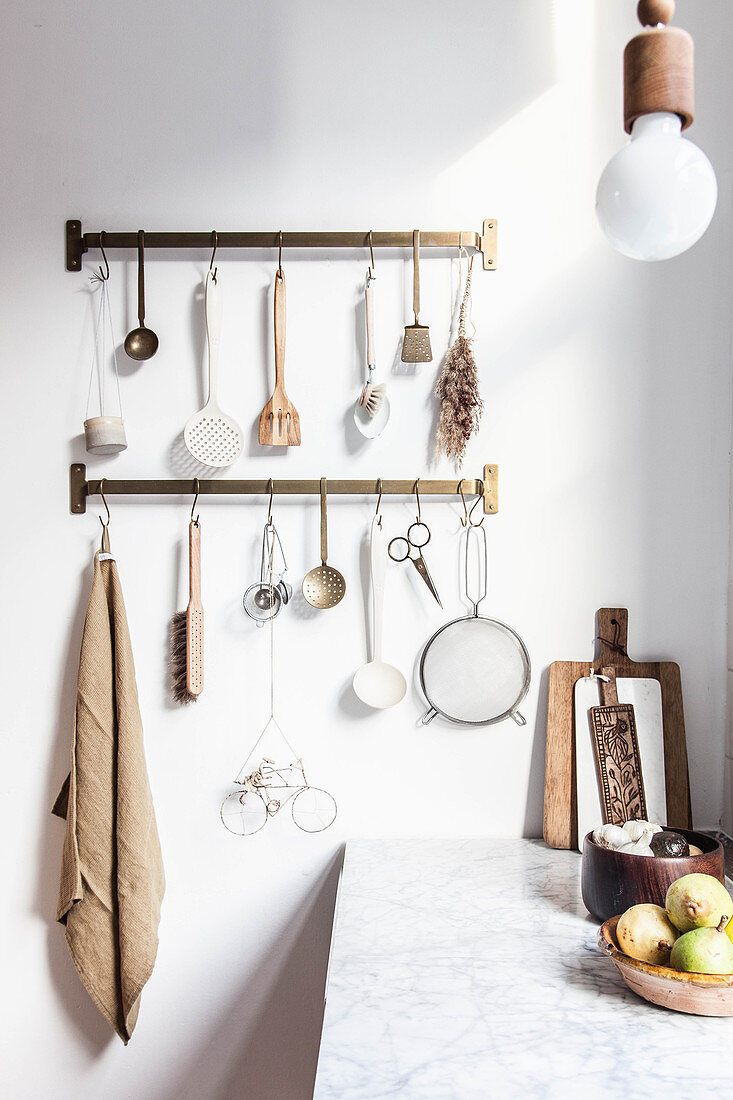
pixel 469 968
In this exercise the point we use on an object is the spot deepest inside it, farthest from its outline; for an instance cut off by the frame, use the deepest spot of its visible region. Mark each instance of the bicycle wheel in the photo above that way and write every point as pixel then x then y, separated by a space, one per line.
pixel 243 813
pixel 314 810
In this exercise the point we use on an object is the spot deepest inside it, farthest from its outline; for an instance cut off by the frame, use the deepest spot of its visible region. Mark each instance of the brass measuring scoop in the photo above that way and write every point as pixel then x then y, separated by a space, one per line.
pixel 324 586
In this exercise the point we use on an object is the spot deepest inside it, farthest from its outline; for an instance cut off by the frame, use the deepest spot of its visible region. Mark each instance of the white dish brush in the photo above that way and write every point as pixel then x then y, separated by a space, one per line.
pixel 371 411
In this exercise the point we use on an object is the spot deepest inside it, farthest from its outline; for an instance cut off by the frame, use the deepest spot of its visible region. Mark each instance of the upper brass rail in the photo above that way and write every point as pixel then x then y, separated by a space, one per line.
pixel 78 242
pixel 80 488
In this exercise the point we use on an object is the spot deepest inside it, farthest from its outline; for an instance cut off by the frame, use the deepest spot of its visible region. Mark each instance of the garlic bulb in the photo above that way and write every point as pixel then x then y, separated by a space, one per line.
pixel 633 837
pixel 610 836
pixel 637 829
pixel 636 848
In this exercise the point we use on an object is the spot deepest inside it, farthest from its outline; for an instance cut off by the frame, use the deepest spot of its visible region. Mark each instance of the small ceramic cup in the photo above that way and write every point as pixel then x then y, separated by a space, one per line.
pixel 105 435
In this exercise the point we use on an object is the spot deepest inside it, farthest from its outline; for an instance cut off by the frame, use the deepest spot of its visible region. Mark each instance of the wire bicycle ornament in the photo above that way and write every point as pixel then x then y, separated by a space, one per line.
pixel 260 794
pixel 267 790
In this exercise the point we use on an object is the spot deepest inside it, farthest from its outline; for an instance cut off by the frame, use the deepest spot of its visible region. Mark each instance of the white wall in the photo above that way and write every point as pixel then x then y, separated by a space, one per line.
pixel 607 407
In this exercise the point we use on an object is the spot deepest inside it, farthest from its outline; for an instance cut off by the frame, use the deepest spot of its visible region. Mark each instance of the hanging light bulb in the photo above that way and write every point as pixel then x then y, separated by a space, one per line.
pixel 657 196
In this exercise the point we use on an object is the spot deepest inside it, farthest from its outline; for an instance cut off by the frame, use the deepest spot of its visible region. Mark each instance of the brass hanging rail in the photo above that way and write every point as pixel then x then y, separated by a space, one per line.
pixel 80 488
pixel 78 242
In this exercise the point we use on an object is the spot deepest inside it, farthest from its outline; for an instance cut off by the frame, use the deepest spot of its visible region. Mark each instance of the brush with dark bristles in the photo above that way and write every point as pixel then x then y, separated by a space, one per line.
pixel 187 630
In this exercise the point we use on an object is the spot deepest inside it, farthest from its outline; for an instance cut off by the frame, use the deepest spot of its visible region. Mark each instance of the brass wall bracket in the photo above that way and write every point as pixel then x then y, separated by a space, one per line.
pixel 80 488
pixel 75 246
pixel 491 490
pixel 488 244
pixel 78 242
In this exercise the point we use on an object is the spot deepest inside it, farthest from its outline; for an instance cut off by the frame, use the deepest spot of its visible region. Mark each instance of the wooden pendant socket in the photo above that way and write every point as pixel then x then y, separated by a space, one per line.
pixel 652 12
pixel 659 75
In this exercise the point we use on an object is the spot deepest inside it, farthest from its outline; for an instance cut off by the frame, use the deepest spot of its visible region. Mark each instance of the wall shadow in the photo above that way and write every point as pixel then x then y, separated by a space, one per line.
pixel 265 1044
pixel 536 783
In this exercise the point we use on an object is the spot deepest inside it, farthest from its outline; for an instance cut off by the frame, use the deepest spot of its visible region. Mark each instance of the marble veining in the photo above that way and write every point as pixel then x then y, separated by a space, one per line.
pixel 469 968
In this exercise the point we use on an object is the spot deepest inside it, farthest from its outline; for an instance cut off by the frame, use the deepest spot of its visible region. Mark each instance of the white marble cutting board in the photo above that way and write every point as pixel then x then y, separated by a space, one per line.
pixel 646 698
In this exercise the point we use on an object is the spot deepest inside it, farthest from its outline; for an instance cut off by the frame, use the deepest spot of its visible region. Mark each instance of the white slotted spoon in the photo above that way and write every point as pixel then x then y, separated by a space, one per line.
pixel 211 436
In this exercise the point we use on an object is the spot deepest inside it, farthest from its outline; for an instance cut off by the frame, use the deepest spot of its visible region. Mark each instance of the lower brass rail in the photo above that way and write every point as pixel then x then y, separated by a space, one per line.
pixel 80 488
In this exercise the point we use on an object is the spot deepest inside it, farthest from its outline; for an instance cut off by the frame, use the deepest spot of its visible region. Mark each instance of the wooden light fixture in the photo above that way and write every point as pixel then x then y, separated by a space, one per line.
pixel 657 196
pixel 659 67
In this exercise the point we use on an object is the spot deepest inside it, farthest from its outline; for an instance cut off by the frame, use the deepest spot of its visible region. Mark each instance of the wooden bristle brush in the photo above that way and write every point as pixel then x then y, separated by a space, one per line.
pixel 187 629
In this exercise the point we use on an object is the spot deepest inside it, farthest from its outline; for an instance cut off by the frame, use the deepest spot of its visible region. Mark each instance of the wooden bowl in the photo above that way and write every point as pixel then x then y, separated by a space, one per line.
pixel 612 881
pixel 697 994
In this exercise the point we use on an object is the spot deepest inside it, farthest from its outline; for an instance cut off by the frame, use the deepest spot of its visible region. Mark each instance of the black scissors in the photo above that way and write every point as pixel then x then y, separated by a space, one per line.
pixel 418 535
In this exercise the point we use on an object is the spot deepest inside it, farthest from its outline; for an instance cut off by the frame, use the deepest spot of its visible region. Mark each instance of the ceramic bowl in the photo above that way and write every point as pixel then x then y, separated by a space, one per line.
pixel 612 881
pixel 697 994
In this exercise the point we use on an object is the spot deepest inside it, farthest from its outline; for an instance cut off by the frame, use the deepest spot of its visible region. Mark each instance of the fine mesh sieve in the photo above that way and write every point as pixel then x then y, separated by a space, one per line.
pixel 263 600
pixel 475 671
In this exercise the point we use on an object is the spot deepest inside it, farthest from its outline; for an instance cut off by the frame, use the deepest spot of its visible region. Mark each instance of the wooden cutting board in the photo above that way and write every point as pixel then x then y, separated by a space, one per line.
pixel 560 819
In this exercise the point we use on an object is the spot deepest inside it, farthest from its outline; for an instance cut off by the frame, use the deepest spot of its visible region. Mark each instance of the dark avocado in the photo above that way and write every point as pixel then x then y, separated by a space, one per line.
pixel 668 843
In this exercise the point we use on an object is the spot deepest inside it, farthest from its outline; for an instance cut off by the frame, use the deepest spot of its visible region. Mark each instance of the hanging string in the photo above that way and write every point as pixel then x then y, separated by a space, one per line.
pixel 95 357
pixel 468 298
pixel 270 556
pixel 616 638
pixel 458 294
pixel 272 720
pixel 105 292
pixel 104 317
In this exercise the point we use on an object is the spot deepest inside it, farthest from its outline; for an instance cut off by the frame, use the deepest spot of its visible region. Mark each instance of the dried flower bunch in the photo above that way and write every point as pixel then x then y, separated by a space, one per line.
pixel 457 391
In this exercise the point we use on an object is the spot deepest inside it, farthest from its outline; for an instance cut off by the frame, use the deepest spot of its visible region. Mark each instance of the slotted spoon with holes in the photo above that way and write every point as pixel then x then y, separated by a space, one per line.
pixel 212 437
pixel 324 586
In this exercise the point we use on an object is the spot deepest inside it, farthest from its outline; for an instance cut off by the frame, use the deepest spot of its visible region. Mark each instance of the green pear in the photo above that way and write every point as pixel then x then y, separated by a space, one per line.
pixel 645 932
pixel 703 951
pixel 698 901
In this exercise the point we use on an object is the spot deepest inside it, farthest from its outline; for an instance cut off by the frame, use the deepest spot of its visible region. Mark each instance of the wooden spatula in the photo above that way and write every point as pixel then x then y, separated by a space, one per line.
pixel 279 420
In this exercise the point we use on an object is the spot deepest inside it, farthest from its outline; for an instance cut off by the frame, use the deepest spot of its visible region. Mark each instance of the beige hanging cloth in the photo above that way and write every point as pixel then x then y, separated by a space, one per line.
pixel 112 880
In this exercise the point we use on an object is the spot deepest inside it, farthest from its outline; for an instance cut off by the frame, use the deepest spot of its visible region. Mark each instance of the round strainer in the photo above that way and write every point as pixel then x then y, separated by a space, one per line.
pixel 324 586
pixel 212 437
pixel 475 671
pixel 262 601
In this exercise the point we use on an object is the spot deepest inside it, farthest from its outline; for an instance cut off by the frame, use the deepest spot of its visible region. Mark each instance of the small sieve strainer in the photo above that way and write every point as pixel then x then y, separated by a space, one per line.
pixel 475 671
pixel 263 600
pixel 324 586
